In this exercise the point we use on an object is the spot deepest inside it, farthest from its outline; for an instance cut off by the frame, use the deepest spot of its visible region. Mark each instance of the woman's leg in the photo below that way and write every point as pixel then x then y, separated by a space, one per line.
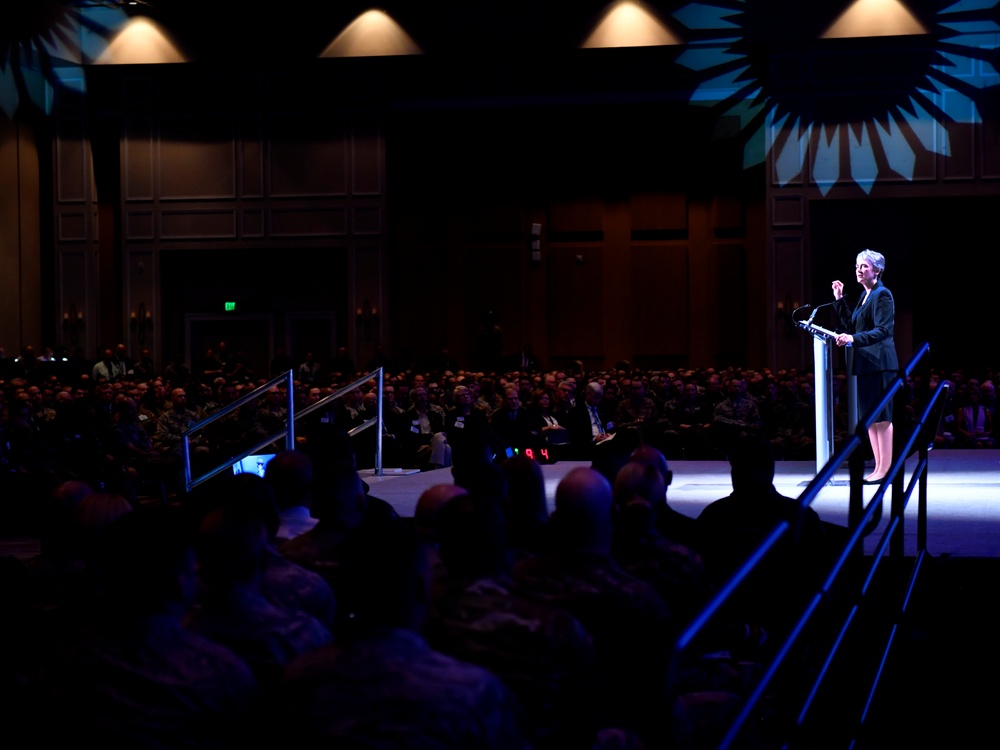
pixel 880 433
pixel 876 448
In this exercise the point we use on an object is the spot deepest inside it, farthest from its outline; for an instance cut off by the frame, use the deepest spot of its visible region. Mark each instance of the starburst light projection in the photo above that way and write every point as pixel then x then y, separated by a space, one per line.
pixel 45 44
pixel 800 86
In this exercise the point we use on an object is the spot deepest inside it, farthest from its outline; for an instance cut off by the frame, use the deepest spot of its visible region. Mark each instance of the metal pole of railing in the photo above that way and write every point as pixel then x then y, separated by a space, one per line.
pixel 290 427
pixel 922 502
pixel 852 390
pixel 896 507
pixel 378 439
pixel 186 455
pixel 862 519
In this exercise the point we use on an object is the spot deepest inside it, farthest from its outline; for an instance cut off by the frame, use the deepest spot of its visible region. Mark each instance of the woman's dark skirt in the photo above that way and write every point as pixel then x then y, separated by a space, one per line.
pixel 870 390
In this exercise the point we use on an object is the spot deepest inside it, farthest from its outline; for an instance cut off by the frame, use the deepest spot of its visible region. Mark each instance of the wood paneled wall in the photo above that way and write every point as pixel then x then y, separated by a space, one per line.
pixel 271 165
pixel 657 245
pixel 20 239
pixel 601 291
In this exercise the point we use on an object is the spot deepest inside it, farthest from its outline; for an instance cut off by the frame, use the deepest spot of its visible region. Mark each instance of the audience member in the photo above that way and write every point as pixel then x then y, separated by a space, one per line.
pixel 469 434
pixel 973 421
pixel 310 370
pixel 425 523
pixel 290 476
pixel 548 431
pixel 341 507
pixel 383 685
pixel 138 677
pixel 285 584
pixel 173 423
pixel 689 436
pixel 637 410
pixel 735 416
pixel 731 530
pixel 82 632
pixel 628 620
pixel 525 508
pixel 541 652
pixel 107 368
pixel 511 423
pixel 231 548
pixel 589 424
pixel 422 435
pixel 677 571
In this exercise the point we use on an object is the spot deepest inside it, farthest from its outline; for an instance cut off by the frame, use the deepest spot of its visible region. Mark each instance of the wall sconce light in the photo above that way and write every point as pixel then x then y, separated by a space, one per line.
pixel 73 323
pixel 140 320
pixel 785 313
pixel 366 319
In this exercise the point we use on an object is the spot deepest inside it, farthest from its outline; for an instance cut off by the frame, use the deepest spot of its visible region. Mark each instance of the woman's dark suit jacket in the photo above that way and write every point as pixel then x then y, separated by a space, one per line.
pixel 871 325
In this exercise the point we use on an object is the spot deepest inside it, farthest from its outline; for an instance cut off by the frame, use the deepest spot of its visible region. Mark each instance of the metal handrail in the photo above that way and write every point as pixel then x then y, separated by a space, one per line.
pixel 289 430
pixel 862 521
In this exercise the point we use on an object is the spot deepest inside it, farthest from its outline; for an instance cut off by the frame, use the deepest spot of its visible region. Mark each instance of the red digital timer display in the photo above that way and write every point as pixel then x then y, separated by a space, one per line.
pixel 541 455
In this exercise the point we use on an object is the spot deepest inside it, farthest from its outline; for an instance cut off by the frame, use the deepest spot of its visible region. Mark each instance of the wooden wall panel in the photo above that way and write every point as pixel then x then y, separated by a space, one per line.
pixel 308 155
pixel 728 214
pixel 787 210
pixel 585 215
pixel 733 310
pixel 198 224
pixel 72 176
pixel 576 301
pixel 251 163
pixel 71 226
pixel 492 281
pixel 925 167
pixel 75 293
pixel 75 234
pixel 367 219
pixel 787 271
pixel 137 183
pixel 10 251
pixel 499 220
pixel 660 302
pixel 990 166
pixel 366 293
pixel 142 300
pixel 197 158
pixel 309 222
pixel 960 163
pixel 787 146
pixel 252 224
pixel 366 154
pixel 665 210
pixel 140 225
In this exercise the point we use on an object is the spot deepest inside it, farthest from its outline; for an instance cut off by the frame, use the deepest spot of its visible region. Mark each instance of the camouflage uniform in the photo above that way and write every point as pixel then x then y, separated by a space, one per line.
pixel 390 691
pixel 630 623
pixel 542 653
pixel 170 427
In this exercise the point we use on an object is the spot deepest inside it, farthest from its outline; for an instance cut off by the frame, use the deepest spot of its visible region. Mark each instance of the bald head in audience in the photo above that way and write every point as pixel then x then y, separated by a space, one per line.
pixel 290 475
pixel 429 504
pixel 583 512
pixel 651 456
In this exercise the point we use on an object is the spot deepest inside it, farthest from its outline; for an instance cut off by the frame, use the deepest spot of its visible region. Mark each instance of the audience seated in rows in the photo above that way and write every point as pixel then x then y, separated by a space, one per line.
pixel 530 615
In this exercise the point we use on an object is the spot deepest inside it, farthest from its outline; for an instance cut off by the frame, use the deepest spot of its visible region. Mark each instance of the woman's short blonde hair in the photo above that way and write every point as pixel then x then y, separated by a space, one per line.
pixel 876 260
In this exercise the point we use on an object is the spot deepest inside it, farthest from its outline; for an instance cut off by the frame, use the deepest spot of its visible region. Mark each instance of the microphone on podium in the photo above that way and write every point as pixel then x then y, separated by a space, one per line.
pixel 816 309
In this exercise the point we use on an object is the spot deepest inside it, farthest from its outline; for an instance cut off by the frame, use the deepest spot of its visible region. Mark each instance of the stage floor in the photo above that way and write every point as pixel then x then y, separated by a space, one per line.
pixel 963 496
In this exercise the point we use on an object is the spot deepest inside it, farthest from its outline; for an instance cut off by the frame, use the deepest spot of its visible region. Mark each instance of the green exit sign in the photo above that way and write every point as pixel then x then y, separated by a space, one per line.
pixel 230 306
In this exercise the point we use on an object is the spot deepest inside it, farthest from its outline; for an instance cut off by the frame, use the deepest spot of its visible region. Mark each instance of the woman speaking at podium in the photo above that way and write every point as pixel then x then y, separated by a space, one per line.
pixel 871 323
